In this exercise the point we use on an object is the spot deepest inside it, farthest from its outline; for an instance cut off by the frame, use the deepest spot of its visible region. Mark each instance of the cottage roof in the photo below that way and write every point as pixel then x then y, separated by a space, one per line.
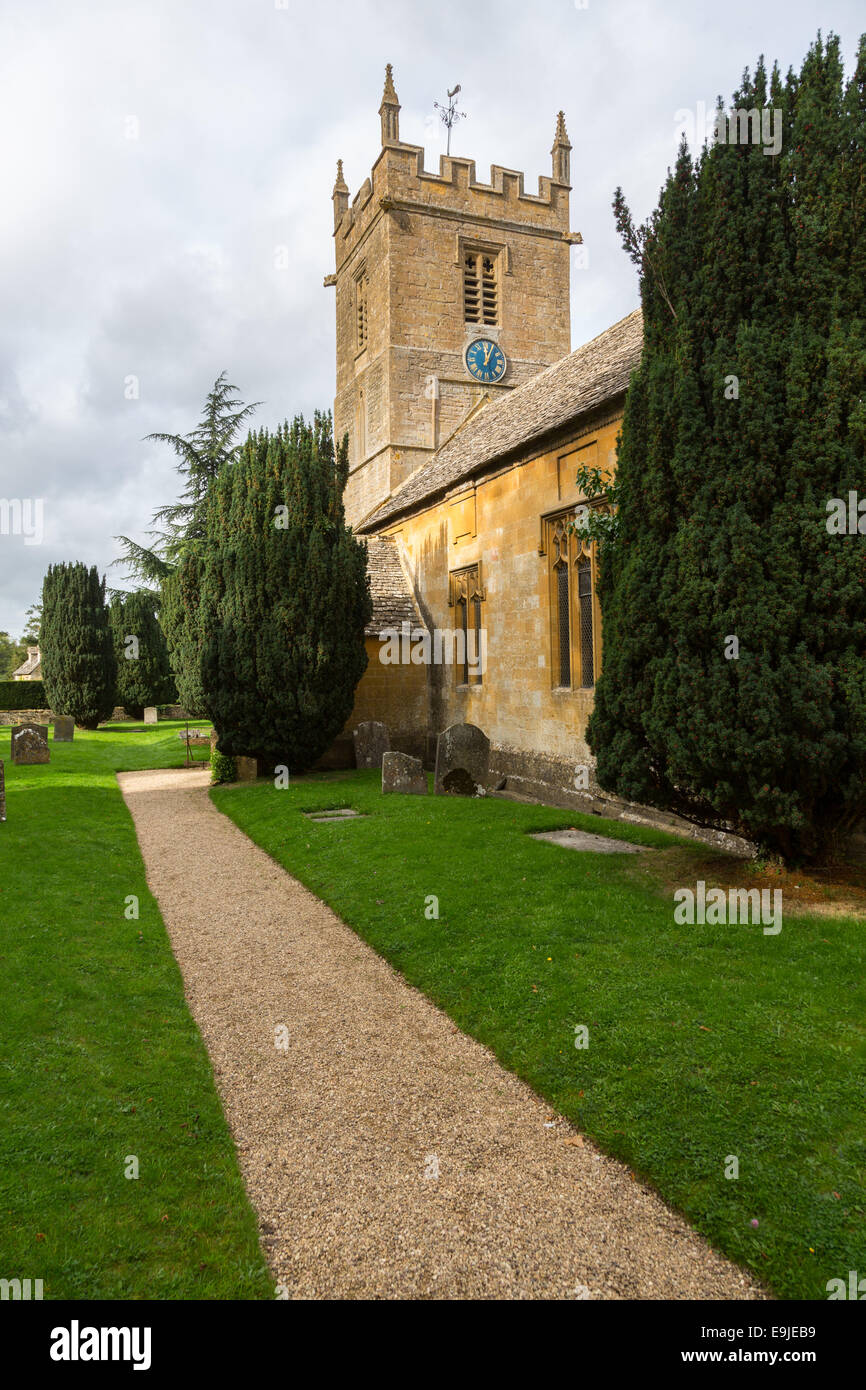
pixel 28 667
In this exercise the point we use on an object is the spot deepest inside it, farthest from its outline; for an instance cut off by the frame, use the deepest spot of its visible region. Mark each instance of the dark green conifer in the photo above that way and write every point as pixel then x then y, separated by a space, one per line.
pixel 143 673
pixel 746 416
pixel 284 597
pixel 78 665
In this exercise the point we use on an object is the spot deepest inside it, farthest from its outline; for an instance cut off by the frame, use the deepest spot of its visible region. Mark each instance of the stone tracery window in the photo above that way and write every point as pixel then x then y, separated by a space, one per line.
pixel 465 596
pixel 574 626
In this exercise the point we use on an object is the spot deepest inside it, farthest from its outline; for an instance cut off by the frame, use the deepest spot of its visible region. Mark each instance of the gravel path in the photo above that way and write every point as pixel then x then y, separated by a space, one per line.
pixel 342 1134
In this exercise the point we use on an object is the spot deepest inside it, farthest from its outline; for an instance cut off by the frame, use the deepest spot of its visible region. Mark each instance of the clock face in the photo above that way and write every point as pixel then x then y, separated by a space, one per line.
pixel 485 360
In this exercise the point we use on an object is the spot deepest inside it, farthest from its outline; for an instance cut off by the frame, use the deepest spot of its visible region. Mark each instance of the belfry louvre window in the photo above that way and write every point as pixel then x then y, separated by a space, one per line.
pixel 465 596
pixel 361 309
pixel 480 287
pixel 573 606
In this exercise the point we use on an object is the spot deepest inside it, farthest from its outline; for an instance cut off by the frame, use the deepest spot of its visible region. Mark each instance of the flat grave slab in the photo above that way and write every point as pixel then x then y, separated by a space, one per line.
pixel 583 839
pixel 326 817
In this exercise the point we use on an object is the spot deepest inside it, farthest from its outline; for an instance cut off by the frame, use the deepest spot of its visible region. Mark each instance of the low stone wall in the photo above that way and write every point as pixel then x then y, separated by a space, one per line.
pixel 120 716
pixel 46 716
pixel 26 716
pixel 551 781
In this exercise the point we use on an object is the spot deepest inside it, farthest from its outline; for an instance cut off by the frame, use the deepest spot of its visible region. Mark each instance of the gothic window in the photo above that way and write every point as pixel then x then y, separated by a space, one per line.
pixel 465 597
pixel 584 619
pixel 563 619
pixel 481 287
pixel 361 309
pixel 574 626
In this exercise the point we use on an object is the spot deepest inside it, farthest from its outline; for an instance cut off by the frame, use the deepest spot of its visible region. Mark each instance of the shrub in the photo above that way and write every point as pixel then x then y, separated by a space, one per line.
pixel 23 695
pixel 222 767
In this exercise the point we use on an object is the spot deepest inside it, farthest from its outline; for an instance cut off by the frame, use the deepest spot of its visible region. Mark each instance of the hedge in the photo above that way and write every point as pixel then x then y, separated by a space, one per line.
pixel 22 695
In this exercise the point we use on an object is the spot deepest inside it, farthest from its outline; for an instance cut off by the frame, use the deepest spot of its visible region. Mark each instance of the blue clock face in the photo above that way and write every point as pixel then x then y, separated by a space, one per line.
pixel 485 360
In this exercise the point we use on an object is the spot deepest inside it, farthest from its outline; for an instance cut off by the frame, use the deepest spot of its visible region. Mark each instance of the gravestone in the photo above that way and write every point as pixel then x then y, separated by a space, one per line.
pixel 462 760
pixel 404 774
pixel 247 769
pixel 372 742
pixel 194 736
pixel 2 792
pixel 64 728
pixel 30 743
pixel 151 714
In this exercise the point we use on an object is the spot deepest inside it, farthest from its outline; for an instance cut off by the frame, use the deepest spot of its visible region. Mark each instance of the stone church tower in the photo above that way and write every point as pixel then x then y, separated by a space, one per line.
pixel 426 264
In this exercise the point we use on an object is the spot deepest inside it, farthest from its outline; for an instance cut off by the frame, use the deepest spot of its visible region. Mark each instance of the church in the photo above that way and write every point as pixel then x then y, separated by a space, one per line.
pixel 468 417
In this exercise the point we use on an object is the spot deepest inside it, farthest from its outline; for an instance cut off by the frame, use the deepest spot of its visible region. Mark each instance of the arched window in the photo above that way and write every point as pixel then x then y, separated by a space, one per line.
pixel 584 616
pixel 466 596
pixel 563 617
pixel 574 623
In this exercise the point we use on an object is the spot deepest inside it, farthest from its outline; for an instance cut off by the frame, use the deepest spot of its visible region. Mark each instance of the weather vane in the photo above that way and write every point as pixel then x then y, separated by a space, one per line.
pixel 449 114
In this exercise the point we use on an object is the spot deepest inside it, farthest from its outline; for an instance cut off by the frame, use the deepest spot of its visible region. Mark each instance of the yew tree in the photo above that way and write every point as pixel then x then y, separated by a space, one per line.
pixel 734 680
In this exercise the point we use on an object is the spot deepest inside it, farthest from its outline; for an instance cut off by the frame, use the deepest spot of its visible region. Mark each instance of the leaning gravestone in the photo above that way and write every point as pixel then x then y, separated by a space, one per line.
pixel 401 773
pixel 151 714
pixel 30 743
pixel 462 760
pixel 64 728
pixel 372 742
pixel 2 792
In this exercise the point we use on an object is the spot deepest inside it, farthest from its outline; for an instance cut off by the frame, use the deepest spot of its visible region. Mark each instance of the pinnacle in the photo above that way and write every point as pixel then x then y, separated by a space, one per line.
pixel 389 96
pixel 561 136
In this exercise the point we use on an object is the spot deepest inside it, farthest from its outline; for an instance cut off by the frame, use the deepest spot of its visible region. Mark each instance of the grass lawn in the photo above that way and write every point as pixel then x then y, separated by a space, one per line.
pixel 100 1058
pixel 704 1041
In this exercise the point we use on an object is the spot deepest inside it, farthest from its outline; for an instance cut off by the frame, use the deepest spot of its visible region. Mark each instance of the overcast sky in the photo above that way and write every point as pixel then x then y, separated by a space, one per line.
pixel 153 155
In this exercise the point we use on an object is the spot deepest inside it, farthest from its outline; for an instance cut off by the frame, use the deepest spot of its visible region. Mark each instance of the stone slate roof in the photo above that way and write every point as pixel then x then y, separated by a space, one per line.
pixel 393 602
pixel 588 378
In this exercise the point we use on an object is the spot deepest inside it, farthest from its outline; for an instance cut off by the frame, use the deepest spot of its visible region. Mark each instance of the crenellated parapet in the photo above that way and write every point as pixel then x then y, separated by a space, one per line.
pixel 428 262
pixel 400 182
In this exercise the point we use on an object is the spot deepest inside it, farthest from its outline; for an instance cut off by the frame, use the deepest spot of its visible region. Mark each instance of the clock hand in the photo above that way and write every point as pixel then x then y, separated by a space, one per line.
pixel 487 353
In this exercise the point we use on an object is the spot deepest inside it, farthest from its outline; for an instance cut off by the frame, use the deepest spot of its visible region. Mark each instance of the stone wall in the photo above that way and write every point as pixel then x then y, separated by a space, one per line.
pixel 499 522
pixel 26 716
pixel 396 696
